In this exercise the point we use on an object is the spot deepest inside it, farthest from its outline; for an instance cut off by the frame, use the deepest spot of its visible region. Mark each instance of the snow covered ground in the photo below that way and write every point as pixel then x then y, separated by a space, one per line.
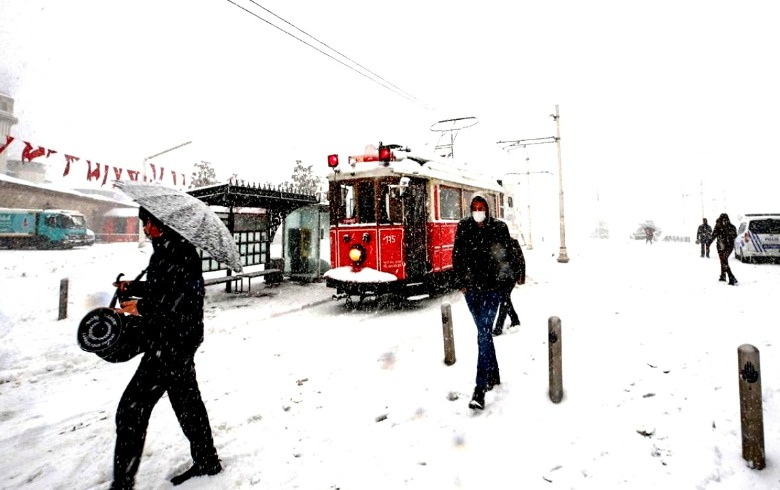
pixel 305 394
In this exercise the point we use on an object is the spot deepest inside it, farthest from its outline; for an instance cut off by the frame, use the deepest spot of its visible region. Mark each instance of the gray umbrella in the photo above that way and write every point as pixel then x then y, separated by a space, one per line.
pixel 189 217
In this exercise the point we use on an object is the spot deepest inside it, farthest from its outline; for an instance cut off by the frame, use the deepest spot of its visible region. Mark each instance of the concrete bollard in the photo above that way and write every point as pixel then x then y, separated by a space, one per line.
pixel 449 337
pixel 63 314
pixel 555 361
pixel 750 406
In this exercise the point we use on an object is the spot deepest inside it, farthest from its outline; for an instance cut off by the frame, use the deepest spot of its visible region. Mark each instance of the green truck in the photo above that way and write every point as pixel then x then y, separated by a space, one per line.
pixel 42 228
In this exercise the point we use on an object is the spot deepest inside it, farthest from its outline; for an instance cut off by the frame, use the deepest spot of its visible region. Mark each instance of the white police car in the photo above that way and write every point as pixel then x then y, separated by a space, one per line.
pixel 758 236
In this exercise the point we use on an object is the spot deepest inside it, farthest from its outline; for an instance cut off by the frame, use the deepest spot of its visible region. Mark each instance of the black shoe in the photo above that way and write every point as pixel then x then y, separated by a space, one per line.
pixel 722 278
pixel 497 331
pixel 493 381
pixel 478 400
pixel 197 470
pixel 733 281
pixel 515 324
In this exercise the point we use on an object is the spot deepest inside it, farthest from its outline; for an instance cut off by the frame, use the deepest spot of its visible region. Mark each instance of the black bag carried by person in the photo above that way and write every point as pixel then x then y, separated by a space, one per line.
pixel 113 336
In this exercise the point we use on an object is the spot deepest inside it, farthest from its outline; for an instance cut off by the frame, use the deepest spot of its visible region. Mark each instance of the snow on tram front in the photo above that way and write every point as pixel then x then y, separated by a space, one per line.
pixel 393 217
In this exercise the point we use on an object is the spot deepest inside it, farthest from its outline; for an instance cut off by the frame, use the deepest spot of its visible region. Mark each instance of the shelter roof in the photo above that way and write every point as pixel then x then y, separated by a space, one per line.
pixel 242 194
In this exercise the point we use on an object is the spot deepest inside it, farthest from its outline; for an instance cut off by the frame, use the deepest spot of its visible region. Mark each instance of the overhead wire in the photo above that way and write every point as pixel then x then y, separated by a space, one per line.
pixel 378 80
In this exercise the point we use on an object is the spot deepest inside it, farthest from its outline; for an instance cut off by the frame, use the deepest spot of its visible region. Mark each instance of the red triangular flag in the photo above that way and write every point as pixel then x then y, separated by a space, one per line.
pixel 93 174
pixel 29 154
pixel 8 140
pixel 68 160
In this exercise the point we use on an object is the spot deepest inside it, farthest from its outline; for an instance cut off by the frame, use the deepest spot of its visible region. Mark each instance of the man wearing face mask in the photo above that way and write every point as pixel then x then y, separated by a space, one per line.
pixel 483 270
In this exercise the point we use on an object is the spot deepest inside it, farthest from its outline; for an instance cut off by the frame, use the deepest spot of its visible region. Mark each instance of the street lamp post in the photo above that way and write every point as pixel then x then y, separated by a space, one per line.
pixel 141 225
pixel 562 257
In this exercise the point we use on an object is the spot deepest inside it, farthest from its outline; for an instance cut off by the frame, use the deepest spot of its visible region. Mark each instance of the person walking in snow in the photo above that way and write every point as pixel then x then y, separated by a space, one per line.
pixel 482 271
pixel 506 306
pixel 171 304
pixel 725 233
pixel 649 235
pixel 704 237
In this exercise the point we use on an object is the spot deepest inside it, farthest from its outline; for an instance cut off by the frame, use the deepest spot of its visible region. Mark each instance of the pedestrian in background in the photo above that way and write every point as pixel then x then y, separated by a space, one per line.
pixel 171 301
pixel 725 233
pixel 483 270
pixel 704 237
pixel 506 307
pixel 649 235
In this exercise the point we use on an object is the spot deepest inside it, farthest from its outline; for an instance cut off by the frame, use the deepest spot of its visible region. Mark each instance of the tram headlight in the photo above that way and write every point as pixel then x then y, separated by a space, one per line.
pixel 357 254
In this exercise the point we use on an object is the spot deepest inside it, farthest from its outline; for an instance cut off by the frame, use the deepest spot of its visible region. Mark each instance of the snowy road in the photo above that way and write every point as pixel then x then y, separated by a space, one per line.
pixel 321 397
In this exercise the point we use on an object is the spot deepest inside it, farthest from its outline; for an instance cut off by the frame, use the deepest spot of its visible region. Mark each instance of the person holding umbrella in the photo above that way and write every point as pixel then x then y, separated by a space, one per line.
pixel 170 302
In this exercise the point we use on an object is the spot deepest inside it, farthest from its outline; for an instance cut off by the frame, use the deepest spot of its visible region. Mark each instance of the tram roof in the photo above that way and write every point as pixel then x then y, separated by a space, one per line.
pixel 447 170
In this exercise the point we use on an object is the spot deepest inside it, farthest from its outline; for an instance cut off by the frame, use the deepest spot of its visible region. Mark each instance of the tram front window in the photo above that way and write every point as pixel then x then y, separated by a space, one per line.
pixel 357 203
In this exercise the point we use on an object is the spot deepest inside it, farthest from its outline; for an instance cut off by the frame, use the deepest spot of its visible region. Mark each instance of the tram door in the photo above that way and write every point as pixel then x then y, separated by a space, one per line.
pixel 415 220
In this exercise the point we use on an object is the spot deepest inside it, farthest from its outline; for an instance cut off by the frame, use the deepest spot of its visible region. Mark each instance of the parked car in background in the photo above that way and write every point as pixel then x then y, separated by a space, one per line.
pixel 758 237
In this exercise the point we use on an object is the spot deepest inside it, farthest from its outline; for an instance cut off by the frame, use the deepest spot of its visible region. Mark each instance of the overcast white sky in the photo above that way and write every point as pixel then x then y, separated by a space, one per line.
pixel 654 97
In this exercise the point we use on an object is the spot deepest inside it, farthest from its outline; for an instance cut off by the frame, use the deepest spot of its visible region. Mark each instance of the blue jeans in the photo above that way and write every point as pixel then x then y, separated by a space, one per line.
pixel 483 306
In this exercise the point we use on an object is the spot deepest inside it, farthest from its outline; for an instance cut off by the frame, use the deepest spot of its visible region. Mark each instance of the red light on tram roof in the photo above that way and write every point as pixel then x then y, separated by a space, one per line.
pixel 385 154
pixel 333 161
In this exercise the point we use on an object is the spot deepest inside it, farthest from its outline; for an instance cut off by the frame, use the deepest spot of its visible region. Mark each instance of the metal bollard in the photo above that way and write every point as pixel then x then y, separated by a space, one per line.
pixel 449 337
pixel 63 299
pixel 555 361
pixel 750 406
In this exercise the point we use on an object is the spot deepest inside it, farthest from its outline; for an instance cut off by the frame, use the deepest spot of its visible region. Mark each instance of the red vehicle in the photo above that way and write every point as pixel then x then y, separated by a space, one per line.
pixel 393 217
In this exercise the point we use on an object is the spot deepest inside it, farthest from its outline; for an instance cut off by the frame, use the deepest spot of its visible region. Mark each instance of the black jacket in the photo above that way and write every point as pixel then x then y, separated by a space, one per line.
pixel 480 256
pixel 725 233
pixel 704 233
pixel 171 298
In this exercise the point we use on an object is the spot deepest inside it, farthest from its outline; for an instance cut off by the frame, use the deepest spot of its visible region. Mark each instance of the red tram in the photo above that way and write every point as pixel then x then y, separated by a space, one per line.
pixel 393 217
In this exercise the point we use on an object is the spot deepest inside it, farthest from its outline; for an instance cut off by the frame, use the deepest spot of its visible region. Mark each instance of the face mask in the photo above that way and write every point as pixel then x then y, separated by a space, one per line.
pixel 479 216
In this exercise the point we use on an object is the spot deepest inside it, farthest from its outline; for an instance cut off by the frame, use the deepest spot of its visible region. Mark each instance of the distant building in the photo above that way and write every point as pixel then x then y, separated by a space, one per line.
pixel 7 120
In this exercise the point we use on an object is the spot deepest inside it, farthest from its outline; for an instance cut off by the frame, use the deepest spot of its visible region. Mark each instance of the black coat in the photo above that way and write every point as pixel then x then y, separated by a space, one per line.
pixel 725 233
pixel 171 298
pixel 480 256
pixel 704 233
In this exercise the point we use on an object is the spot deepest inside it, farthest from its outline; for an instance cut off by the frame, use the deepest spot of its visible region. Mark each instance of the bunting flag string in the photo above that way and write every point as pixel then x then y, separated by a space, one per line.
pixel 94 172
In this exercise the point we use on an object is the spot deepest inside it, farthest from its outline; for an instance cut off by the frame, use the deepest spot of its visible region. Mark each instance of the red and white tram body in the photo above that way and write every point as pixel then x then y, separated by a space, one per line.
pixel 393 218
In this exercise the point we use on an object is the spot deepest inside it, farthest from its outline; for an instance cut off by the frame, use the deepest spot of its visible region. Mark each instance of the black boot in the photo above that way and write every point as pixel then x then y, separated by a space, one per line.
pixel 197 470
pixel 732 281
pixel 722 278
pixel 478 400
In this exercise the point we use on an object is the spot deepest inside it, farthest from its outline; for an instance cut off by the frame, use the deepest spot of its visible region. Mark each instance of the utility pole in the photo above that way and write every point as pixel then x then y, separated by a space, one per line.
pixel 528 199
pixel 562 257
pixel 522 143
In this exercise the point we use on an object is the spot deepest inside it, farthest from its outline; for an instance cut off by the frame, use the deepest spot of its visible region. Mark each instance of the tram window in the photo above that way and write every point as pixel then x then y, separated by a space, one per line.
pixel 449 203
pixel 467 197
pixel 389 205
pixel 347 207
pixel 365 202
